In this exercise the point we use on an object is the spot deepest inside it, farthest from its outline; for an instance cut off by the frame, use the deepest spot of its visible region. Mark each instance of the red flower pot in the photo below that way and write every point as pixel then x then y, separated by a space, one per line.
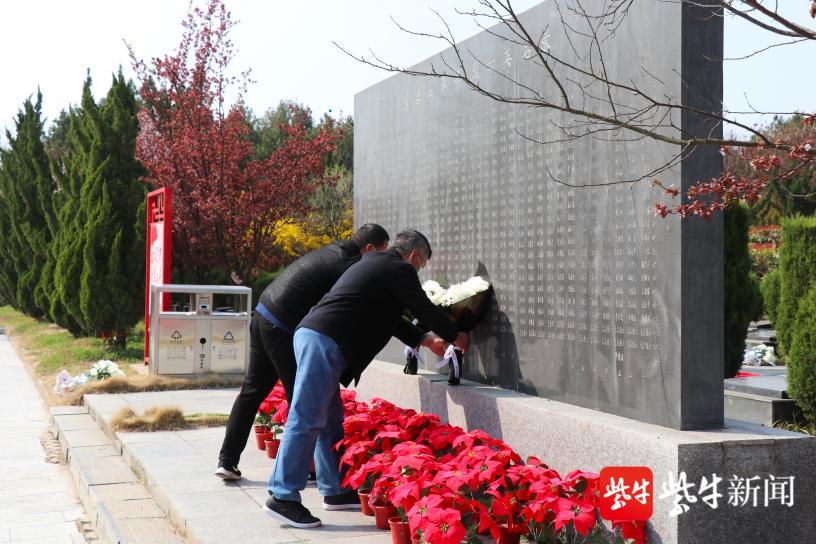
pixel 506 537
pixel 400 533
pixel 261 432
pixel 365 506
pixel 381 515
pixel 272 445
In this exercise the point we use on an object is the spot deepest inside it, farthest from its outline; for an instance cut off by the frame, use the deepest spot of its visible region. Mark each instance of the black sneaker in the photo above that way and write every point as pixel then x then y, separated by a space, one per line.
pixel 349 500
pixel 291 512
pixel 228 472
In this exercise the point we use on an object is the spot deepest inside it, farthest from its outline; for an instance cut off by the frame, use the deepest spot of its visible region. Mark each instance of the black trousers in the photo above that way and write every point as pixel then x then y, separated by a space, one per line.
pixel 271 357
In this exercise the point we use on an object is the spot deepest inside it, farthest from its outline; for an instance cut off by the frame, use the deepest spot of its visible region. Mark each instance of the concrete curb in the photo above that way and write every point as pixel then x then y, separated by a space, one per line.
pixel 115 500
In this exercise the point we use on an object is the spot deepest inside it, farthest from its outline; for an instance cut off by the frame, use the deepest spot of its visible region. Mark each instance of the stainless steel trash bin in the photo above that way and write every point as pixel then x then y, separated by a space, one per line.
pixel 197 338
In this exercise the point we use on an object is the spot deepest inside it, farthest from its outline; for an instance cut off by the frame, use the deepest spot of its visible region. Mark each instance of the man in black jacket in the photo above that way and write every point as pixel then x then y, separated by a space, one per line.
pixel 333 344
pixel 282 305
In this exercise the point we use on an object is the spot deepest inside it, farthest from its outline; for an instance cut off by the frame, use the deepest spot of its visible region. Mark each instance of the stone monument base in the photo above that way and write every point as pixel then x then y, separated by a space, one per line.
pixel 761 399
pixel 567 437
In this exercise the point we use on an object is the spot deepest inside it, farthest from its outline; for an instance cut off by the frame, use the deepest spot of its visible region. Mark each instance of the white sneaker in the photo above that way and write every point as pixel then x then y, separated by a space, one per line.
pixel 228 472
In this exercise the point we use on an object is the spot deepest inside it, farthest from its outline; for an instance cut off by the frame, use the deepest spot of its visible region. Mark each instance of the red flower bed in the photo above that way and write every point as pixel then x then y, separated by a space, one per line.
pixel 452 485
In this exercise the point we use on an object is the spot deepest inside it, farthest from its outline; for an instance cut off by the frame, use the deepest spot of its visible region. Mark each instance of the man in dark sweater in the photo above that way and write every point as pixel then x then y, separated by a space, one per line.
pixel 282 305
pixel 333 344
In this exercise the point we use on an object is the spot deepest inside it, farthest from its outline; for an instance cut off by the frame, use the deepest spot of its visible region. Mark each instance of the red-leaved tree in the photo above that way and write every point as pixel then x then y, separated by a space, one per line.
pixel 227 205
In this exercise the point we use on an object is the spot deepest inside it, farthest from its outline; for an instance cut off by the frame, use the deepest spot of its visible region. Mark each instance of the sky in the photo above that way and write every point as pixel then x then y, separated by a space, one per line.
pixel 50 44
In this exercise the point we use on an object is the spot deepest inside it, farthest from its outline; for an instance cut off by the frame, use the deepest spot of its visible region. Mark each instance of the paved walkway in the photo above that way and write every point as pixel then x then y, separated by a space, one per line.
pixel 177 469
pixel 38 503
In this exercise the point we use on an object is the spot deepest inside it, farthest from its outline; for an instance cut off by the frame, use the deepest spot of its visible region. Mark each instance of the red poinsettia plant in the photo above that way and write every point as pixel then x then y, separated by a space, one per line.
pixel 451 485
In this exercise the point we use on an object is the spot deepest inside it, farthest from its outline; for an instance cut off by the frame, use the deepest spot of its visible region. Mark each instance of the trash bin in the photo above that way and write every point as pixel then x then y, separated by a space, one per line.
pixel 200 339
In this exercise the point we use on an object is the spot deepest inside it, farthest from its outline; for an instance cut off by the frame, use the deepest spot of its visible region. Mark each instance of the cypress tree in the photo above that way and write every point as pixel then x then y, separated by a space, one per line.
pixel 743 300
pixel 27 190
pixel 797 272
pixel 7 285
pixel 801 362
pixel 70 171
pixel 112 280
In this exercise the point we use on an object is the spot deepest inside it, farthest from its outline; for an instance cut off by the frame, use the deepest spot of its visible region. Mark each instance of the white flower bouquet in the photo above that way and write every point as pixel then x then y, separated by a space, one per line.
pixel 760 355
pixel 104 369
pixel 101 370
pixel 466 303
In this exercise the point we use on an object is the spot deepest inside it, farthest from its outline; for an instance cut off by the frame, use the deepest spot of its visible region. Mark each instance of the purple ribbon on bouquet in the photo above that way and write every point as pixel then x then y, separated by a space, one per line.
pixel 450 356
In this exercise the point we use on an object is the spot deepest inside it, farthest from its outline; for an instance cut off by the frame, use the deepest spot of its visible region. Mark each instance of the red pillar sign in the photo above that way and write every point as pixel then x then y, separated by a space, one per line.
pixel 158 250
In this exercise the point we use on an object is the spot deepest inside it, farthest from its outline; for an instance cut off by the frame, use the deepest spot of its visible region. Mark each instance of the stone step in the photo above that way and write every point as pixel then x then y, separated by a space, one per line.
pixel 117 503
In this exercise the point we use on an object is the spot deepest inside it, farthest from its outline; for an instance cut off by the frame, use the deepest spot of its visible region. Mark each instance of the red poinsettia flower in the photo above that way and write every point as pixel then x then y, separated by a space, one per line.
pixel 411 448
pixel 486 472
pixel 281 413
pixel 454 478
pixel 387 439
pixel 632 530
pixel 418 512
pixel 442 437
pixel 581 514
pixel 487 523
pixel 535 462
pixel 417 422
pixel 348 395
pixel 265 407
pixel 539 510
pixel 507 456
pixel 443 526
pixel 547 486
pixel 582 481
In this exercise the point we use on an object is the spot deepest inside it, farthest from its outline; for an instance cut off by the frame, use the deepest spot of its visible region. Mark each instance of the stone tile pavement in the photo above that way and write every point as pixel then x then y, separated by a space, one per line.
pixel 176 467
pixel 38 503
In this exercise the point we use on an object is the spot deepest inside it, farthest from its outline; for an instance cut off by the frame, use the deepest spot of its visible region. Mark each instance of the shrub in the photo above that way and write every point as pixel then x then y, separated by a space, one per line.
pixel 764 259
pixel 743 300
pixel 797 268
pixel 801 359
pixel 769 286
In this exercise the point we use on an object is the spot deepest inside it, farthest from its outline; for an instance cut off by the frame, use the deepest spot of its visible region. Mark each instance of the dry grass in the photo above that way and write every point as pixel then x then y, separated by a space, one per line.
pixel 150 382
pixel 162 418
pixel 797 427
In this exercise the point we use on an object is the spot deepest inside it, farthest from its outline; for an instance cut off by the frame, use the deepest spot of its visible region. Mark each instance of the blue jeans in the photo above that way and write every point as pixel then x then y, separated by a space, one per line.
pixel 315 419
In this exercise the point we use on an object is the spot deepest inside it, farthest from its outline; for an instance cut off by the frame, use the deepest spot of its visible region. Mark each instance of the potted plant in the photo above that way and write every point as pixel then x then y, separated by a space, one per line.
pixel 383 509
pixel 270 406
pixel 272 440
pixel 261 428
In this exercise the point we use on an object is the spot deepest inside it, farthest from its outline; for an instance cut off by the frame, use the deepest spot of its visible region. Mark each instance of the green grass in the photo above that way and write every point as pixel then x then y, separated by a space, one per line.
pixel 48 348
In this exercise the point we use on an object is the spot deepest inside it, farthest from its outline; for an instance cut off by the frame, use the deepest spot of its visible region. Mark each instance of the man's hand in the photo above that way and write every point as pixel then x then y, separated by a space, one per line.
pixel 435 344
pixel 462 341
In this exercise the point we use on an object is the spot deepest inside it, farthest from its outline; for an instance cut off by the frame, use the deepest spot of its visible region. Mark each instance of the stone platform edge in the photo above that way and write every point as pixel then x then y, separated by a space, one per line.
pixel 115 499
pixel 569 437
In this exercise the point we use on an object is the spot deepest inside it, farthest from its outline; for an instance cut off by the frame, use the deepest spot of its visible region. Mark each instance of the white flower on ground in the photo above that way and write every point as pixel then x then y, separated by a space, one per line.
pixel 103 369
pixel 760 355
